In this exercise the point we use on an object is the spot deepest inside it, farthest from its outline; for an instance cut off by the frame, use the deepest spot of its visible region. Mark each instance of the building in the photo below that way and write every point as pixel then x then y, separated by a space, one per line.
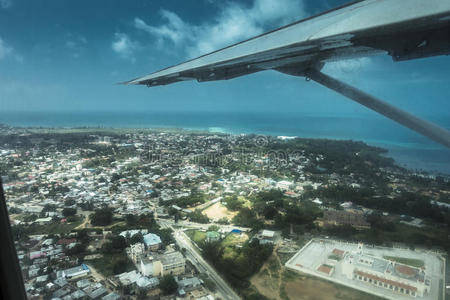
pixel 385 274
pixel 136 251
pixel 266 237
pixel 74 272
pixel 212 236
pixel 172 263
pixel 140 281
pixel 382 271
pixel 188 284
pixel 130 233
pixel 152 241
pixel 284 185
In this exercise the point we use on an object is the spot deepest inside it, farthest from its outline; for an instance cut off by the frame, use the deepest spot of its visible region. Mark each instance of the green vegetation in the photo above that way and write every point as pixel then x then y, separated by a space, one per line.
pixel 209 283
pixel 196 236
pixel 112 264
pixel 240 263
pixel 401 233
pixel 283 294
pixel 247 218
pixel 196 198
pixel 233 203
pixel 288 275
pixel 406 261
pixel 102 217
pixel 168 285
pixel 199 217
pixel 408 203
pixel 55 227
pixel 68 212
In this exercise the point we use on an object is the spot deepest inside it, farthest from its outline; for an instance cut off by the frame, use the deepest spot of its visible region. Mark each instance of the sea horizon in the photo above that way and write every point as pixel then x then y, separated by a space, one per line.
pixel 407 148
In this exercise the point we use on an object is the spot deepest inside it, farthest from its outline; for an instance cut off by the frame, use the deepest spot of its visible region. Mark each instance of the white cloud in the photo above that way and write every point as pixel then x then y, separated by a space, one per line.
pixel 5 50
pixel 175 30
pixel 349 70
pixel 76 45
pixel 235 23
pixel 123 46
pixel 5 4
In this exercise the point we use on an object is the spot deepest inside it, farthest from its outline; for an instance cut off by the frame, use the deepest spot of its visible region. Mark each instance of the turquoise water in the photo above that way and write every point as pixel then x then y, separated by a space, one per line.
pixel 406 147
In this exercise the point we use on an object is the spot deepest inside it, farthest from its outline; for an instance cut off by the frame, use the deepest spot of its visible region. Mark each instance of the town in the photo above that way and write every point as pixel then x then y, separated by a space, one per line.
pixel 102 213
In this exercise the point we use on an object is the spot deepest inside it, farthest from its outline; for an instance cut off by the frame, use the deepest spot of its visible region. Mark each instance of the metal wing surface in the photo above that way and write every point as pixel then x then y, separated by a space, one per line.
pixel 403 29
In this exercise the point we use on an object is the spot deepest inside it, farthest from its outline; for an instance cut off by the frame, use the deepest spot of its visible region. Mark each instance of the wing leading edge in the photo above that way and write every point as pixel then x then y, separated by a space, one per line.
pixel 402 29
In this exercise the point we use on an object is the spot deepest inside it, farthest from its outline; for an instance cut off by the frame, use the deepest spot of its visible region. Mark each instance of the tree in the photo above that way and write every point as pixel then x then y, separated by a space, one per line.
pixel 168 285
pixel 102 217
pixel 68 212
pixel 83 236
pixel 247 217
pixel 131 219
pixel 107 248
pixel 199 217
pixel 137 238
pixel 213 228
pixel 233 203
pixel 119 242
pixel 69 202
pixel 119 266
pixel 77 249
pixel 165 235
pixel 87 205
pixel 47 207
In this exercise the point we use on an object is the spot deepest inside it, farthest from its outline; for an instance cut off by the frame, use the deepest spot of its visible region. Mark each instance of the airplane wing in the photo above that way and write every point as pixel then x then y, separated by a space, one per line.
pixel 403 29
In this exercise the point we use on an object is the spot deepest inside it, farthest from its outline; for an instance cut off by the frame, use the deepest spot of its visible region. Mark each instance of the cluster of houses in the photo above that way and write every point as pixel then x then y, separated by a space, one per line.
pixel 160 167
pixel 153 263
pixel 44 272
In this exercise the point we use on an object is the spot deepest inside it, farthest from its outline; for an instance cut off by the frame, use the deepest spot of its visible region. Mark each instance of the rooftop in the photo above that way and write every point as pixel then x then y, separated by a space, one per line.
pixel 152 239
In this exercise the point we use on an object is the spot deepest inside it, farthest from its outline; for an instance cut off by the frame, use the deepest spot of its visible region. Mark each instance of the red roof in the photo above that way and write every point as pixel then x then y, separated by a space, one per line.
pixel 325 269
pixel 65 241
pixel 338 252
pixel 391 282
pixel 405 270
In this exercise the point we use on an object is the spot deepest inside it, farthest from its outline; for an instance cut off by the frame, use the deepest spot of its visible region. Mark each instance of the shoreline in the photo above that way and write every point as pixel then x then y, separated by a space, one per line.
pixel 394 150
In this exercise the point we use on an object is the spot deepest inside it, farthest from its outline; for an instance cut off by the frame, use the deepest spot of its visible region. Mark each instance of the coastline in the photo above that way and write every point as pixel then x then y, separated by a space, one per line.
pixel 407 149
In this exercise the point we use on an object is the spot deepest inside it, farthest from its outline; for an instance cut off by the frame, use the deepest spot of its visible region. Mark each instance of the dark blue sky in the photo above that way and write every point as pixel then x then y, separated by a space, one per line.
pixel 61 55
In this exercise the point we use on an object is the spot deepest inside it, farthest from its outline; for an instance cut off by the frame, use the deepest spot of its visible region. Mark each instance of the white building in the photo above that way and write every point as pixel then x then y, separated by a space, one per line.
pixel 136 251
pixel 385 274
pixel 74 272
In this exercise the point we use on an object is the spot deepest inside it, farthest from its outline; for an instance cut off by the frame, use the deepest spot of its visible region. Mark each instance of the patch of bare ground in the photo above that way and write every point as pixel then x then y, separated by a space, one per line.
pixel 218 211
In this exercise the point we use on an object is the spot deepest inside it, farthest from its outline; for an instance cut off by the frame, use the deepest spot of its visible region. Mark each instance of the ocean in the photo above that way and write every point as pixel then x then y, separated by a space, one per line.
pixel 409 149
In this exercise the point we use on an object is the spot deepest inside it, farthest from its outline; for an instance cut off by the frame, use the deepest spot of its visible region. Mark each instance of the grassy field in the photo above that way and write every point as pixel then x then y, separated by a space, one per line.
pixel 406 261
pixel 196 236
pixel 232 240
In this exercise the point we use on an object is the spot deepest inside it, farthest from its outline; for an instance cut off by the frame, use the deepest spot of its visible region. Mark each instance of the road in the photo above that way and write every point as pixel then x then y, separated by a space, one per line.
pixel 189 224
pixel 225 291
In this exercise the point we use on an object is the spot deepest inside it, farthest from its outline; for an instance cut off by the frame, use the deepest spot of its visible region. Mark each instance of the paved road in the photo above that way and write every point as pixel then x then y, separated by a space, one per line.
pixel 184 242
pixel 205 226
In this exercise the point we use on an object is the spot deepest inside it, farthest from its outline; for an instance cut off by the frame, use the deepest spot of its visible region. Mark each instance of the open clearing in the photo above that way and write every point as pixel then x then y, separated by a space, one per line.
pixel 218 211
pixel 307 288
